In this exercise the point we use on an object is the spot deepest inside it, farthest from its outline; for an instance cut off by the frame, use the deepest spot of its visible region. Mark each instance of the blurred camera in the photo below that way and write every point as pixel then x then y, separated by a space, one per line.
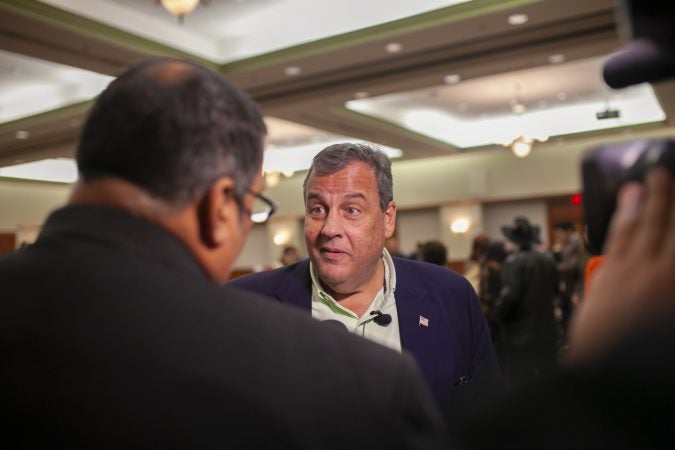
pixel 649 56
pixel 606 168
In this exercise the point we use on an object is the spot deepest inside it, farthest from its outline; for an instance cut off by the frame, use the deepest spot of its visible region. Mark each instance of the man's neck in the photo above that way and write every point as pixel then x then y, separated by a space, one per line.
pixel 120 194
pixel 359 301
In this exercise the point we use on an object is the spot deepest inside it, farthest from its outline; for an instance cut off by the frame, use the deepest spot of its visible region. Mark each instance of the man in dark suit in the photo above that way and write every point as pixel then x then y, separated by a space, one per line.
pixel 426 310
pixel 115 331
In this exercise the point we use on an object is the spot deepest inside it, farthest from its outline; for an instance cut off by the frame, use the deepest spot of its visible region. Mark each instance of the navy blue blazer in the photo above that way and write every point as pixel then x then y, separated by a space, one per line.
pixel 454 351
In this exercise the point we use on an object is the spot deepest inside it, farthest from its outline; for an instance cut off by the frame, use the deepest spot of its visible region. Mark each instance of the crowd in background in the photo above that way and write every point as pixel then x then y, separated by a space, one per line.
pixel 527 290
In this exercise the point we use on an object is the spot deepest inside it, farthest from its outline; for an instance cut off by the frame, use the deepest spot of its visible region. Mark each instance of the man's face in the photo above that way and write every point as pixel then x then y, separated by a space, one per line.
pixel 345 227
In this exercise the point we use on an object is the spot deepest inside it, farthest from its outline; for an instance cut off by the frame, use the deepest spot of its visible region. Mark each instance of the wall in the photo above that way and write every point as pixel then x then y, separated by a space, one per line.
pixel 26 205
pixel 551 169
pixel 416 226
pixel 427 192
pixel 255 252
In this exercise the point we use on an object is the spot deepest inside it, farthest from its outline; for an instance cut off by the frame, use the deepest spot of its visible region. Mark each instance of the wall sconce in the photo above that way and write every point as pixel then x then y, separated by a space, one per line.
pixel 281 238
pixel 460 226
pixel 272 178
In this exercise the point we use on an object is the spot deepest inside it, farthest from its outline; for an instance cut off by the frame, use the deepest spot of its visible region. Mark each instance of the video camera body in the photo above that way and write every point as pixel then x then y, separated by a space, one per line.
pixel 650 56
pixel 605 169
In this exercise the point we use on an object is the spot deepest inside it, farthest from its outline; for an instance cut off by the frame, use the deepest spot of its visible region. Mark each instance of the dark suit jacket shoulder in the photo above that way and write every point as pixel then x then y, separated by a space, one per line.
pixel 113 338
pixel 440 322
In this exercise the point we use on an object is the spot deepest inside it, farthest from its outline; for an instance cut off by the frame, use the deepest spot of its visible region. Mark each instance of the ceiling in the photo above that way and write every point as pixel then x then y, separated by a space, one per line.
pixel 324 71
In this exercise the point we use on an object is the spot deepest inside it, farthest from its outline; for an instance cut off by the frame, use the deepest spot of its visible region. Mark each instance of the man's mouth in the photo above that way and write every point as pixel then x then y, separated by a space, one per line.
pixel 332 252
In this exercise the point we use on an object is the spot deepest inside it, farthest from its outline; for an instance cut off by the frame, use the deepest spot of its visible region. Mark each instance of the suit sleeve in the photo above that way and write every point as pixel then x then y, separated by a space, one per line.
pixel 422 424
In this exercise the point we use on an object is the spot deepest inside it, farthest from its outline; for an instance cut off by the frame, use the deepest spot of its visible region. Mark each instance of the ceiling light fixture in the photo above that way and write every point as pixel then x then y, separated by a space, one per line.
pixel 393 47
pixel 180 8
pixel 518 108
pixel 521 145
pixel 452 78
pixel 518 19
pixel 292 71
pixel 558 58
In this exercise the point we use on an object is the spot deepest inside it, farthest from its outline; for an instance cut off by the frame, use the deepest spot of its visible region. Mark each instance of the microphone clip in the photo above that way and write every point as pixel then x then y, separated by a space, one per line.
pixel 380 318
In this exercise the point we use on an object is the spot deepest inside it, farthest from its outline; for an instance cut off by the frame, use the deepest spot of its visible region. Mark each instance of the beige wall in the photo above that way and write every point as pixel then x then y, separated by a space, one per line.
pixel 491 186
pixel 25 205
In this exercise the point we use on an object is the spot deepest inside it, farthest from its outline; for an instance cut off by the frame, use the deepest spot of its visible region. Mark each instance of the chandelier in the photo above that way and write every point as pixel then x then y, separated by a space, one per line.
pixel 180 8
pixel 521 145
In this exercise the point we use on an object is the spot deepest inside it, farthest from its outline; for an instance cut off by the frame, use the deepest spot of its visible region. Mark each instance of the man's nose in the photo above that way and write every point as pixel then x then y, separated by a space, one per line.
pixel 332 224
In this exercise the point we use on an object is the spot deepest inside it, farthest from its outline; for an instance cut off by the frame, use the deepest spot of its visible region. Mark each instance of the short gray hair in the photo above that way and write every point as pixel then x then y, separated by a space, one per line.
pixel 336 157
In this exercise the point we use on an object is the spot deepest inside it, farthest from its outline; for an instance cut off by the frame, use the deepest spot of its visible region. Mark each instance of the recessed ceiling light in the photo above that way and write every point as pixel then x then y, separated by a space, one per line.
pixel 518 19
pixel 361 94
pixel 518 108
pixel 556 59
pixel 22 134
pixel 393 47
pixel 292 71
pixel 452 78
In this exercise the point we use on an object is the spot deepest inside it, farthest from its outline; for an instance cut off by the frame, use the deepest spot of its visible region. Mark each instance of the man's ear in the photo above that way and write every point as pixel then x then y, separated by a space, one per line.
pixel 390 219
pixel 216 211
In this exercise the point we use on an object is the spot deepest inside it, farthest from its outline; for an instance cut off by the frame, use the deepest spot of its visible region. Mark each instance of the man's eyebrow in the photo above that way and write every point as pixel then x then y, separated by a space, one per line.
pixel 354 195
pixel 314 196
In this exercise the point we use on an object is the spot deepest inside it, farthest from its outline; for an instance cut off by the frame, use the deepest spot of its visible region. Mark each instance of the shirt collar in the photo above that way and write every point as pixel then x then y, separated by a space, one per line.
pixel 389 283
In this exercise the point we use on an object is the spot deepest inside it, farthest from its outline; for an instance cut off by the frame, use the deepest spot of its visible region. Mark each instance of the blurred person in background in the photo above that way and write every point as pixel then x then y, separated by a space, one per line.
pixel 615 389
pixel 491 287
pixel 474 266
pixel 435 252
pixel 571 257
pixel 528 340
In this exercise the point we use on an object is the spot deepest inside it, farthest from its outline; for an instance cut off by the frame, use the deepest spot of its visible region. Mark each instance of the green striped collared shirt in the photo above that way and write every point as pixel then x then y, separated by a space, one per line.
pixel 324 307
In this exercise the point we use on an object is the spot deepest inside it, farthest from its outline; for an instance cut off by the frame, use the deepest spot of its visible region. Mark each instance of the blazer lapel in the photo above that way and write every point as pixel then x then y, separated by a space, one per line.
pixel 296 287
pixel 416 314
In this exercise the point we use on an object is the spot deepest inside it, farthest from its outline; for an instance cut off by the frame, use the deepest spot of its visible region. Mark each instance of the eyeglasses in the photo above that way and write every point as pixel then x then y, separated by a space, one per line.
pixel 262 208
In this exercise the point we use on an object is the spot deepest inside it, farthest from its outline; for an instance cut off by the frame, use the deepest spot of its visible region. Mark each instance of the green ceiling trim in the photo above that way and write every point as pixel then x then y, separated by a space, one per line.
pixel 390 127
pixel 74 109
pixel 67 20
pixel 418 22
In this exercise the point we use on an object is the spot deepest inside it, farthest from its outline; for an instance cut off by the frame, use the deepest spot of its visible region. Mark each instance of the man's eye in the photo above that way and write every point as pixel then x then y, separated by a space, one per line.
pixel 317 210
pixel 352 211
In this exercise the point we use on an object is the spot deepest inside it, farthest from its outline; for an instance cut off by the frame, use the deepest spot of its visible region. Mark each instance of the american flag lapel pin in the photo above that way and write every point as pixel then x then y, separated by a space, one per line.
pixel 424 322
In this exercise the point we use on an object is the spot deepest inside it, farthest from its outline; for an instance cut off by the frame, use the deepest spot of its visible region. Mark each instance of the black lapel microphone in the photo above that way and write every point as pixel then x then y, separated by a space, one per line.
pixel 381 319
